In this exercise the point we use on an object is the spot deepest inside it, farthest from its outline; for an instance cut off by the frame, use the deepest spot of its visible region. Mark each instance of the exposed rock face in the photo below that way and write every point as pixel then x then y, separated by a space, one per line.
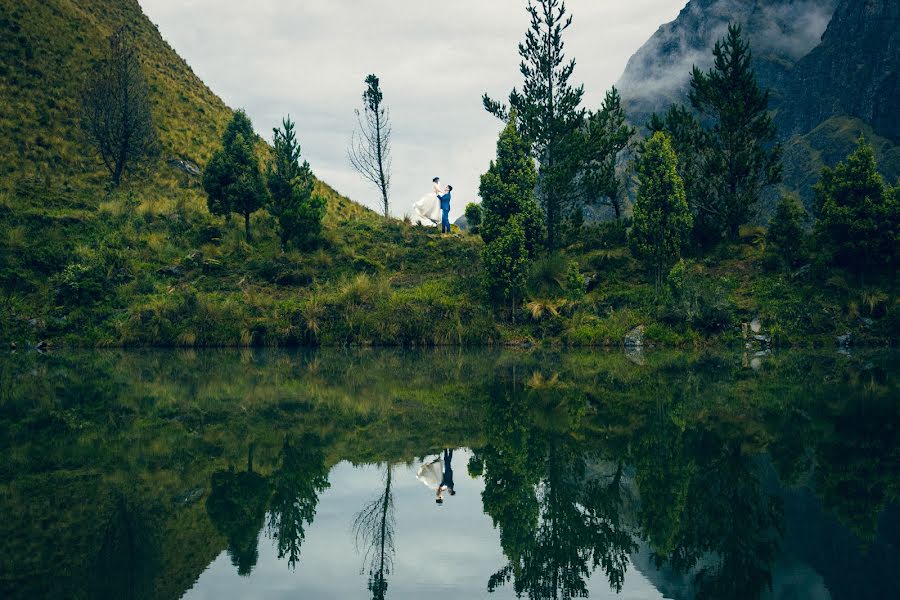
pixel 855 71
pixel 780 33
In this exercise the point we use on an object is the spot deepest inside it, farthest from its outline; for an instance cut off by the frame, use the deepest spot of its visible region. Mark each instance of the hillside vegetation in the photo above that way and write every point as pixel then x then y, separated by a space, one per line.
pixel 146 264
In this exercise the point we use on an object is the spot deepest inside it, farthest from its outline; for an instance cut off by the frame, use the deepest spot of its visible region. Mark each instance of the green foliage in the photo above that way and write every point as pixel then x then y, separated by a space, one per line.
pixel 291 199
pixel 232 179
pixel 661 219
pixel 696 156
pixel 575 282
pixel 473 217
pixel 507 190
pixel 606 135
pixel 548 111
pixel 506 262
pixel 784 239
pixel 858 213
pixel 695 300
pixel 741 133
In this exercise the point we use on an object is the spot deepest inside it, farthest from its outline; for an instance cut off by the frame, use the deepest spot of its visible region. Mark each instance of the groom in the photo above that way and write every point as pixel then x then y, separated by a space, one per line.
pixel 445 209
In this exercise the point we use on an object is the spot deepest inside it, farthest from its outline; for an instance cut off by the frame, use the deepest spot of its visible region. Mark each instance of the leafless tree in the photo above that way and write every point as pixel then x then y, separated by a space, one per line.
pixel 116 110
pixel 374 529
pixel 370 147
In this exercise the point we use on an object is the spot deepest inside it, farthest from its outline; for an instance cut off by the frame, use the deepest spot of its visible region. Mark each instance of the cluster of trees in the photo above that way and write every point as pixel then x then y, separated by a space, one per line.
pixel 235 183
pixel 118 121
pixel 700 172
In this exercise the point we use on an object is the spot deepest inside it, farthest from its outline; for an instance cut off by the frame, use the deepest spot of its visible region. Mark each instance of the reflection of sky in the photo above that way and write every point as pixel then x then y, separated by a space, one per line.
pixel 451 549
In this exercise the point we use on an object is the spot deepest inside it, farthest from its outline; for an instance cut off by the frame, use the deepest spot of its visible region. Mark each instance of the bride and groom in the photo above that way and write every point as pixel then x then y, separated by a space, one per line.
pixel 434 206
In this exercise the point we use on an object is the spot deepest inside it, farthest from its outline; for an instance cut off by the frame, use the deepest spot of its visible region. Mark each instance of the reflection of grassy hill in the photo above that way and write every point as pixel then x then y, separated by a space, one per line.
pixel 102 446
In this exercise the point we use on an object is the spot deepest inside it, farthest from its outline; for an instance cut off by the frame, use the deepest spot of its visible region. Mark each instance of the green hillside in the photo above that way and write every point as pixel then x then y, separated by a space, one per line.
pixel 140 260
pixel 146 264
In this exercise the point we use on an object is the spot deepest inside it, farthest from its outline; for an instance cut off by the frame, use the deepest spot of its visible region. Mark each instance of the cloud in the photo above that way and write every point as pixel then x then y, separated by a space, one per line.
pixel 435 60
pixel 659 72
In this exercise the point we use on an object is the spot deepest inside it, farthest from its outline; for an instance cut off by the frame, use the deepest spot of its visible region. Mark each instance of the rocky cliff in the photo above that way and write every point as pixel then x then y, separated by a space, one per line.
pixel 855 71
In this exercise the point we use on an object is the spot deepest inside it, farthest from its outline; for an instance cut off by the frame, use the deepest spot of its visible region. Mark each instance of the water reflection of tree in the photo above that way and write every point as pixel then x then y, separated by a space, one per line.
pixel 557 524
pixel 237 507
pixel 296 485
pixel 373 527
pixel 129 551
pixel 703 509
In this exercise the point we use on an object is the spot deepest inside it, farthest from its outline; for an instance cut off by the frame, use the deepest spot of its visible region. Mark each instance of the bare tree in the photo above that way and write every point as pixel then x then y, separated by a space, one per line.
pixel 370 147
pixel 374 529
pixel 116 110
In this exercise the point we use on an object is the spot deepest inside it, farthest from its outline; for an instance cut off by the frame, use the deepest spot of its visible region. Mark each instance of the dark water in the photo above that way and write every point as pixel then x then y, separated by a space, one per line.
pixel 228 474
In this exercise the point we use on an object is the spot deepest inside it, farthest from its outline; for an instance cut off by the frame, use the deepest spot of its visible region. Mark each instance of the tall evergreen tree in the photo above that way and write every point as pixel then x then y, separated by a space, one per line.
pixel 606 135
pixel 507 190
pixel 232 179
pixel 858 213
pixel 511 224
pixel 661 217
pixel 292 201
pixel 742 131
pixel 701 182
pixel 548 111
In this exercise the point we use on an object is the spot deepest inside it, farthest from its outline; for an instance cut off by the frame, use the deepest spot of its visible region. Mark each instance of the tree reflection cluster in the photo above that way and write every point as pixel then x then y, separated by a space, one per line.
pixel 584 464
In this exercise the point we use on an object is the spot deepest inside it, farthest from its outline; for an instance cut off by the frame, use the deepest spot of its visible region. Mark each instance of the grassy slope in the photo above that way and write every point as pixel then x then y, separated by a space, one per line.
pixel 150 253
pixel 148 265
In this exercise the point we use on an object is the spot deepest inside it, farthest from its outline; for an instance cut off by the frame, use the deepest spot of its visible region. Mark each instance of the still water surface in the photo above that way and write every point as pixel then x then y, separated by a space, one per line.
pixel 227 474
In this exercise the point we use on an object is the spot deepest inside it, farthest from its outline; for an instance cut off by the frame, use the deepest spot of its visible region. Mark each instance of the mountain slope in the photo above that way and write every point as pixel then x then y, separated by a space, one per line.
pixel 825 92
pixel 855 71
pixel 48 48
pixel 780 33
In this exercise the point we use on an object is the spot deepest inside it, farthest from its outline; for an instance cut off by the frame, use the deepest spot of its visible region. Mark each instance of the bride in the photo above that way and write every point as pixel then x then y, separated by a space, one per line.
pixel 428 207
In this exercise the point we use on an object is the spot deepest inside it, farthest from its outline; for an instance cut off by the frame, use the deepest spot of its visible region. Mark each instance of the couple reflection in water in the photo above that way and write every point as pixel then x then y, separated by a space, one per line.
pixel 437 475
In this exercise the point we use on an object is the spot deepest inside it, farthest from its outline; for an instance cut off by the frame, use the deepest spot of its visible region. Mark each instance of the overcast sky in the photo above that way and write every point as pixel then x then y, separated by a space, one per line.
pixel 435 59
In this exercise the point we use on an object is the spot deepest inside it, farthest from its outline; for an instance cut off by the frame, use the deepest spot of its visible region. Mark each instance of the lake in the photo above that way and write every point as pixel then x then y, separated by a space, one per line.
pixel 314 474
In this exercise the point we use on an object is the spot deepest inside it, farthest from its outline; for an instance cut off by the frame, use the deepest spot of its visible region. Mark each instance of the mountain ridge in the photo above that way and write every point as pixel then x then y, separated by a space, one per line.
pixel 827 87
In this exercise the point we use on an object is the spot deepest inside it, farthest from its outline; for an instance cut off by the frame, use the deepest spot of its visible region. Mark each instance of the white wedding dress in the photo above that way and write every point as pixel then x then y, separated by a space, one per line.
pixel 427 211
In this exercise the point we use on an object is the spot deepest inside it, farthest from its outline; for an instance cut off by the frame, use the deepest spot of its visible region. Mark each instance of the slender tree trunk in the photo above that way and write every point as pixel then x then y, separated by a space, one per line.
pixel 381 181
pixel 247 226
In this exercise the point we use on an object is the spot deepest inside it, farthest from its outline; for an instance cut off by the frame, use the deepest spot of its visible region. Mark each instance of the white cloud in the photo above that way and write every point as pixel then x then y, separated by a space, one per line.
pixel 435 59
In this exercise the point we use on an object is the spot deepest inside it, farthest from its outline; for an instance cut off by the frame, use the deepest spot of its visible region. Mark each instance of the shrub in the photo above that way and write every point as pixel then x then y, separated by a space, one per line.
pixel 473 217
pixel 575 283
pixel 784 239
pixel 695 300
pixel 547 276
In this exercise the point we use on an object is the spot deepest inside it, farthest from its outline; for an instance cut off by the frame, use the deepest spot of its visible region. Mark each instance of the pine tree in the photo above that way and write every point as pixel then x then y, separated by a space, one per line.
pixel 232 179
pixel 292 201
pixel 507 190
pixel 858 213
pixel 661 219
pixel 511 223
pixel 695 153
pixel 606 135
pixel 548 111
pixel 742 129
pixel 784 238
